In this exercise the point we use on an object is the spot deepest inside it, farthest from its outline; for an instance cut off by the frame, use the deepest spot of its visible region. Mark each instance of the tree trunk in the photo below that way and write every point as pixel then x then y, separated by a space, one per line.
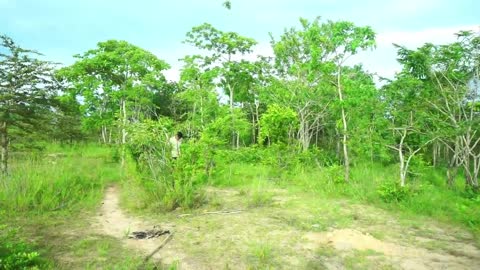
pixel 453 165
pixel 257 127
pixel 476 172
pixel 104 134
pixel 233 118
pixel 238 139
pixel 345 129
pixel 451 175
pixel 123 111
pixel 110 136
pixel 201 112
pixel 253 124
pixel 4 148
pixel 303 133
pixel 403 173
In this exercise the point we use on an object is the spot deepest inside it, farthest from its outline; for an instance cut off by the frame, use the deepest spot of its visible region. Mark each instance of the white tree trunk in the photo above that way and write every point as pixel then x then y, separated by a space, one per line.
pixel 4 148
pixel 345 128
pixel 123 111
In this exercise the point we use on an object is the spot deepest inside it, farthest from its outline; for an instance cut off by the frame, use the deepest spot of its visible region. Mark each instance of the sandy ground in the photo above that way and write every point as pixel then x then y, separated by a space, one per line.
pixel 111 220
pixel 238 241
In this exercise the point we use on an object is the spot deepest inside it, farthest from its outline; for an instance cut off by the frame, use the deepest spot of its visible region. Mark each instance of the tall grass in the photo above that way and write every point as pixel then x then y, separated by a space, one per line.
pixel 427 194
pixel 67 178
pixel 162 184
pixel 48 186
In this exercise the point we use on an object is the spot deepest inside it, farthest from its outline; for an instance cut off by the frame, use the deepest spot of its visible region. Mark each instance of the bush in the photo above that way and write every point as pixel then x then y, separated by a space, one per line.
pixel 334 174
pixel 393 192
pixel 16 254
pixel 167 183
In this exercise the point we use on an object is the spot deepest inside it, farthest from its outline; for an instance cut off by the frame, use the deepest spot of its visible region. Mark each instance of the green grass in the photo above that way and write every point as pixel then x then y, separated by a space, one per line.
pixel 261 255
pixel 47 193
pixel 429 196
pixel 71 180
pixel 260 198
pixel 54 192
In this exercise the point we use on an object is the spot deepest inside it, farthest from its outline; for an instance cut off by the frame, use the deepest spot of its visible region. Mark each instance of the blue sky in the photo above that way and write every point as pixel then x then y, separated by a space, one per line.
pixel 62 28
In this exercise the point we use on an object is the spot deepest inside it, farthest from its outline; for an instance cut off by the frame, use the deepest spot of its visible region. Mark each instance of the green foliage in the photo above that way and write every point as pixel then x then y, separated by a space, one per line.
pixel 163 183
pixel 261 256
pixel 116 81
pixel 282 158
pixel 207 37
pixel 260 198
pixel 76 183
pixel 223 128
pixel 16 254
pixel 148 143
pixel 393 192
pixel 277 124
pixel 334 174
pixel 27 91
pixel 227 5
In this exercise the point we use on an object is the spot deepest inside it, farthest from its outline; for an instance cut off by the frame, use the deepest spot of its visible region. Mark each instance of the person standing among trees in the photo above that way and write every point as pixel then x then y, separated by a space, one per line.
pixel 175 143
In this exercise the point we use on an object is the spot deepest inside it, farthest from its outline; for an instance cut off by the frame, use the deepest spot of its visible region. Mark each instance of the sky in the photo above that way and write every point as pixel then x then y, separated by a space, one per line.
pixel 62 28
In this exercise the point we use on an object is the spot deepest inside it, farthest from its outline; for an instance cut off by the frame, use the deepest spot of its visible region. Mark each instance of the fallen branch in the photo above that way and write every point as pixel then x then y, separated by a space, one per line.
pixel 165 241
pixel 223 212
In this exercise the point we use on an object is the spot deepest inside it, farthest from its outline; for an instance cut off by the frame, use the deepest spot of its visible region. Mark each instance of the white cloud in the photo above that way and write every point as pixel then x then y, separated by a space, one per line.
pixel 173 56
pixel 418 38
pixel 172 74
pixel 382 60
pixel 410 7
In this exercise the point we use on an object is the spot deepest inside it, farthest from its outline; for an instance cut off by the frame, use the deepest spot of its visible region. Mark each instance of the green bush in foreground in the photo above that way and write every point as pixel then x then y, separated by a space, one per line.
pixel 16 254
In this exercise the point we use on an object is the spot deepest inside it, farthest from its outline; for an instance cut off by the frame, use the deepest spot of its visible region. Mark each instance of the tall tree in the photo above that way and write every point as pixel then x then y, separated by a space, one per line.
pixel 27 88
pixel 409 117
pixel 233 75
pixel 316 56
pixel 116 81
pixel 450 76
pixel 340 41
pixel 199 99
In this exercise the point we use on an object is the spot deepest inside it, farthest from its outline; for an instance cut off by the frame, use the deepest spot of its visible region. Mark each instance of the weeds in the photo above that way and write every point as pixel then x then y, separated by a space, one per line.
pixel 64 182
pixel 260 198
pixel 17 254
pixel 261 256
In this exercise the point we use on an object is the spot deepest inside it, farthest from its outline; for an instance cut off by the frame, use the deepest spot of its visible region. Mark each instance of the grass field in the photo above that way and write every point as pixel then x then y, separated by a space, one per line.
pixel 50 201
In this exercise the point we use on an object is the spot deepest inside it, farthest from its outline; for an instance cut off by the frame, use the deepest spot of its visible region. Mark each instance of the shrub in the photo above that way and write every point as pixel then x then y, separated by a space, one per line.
pixel 334 174
pixel 393 192
pixel 16 254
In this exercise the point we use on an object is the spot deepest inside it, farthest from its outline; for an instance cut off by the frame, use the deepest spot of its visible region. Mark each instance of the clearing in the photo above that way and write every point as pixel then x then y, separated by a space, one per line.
pixel 280 229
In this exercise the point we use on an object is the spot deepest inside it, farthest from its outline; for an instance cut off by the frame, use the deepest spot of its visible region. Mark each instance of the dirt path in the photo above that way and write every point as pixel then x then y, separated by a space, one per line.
pixel 112 221
pixel 405 257
pixel 291 232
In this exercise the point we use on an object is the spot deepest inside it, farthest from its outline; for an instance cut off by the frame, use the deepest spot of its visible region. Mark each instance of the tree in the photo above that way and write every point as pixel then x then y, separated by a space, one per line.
pixel 198 99
pixel 316 56
pixel 410 123
pixel 234 76
pixel 27 89
pixel 298 83
pixel 340 41
pixel 450 76
pixel 366 117
pixel 117 82
pixel 68 116
pixel 227 5
pixel 277 124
